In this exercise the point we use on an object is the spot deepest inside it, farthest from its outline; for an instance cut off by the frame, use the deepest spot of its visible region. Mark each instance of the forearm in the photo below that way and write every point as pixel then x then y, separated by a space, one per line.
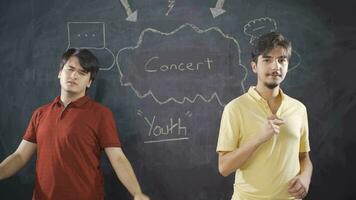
pixel 306 167
pixel 231 161
pixel 10 166
pixel 126 175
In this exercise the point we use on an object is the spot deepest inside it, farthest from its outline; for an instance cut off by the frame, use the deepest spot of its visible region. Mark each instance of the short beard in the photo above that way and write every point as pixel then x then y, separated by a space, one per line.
pixel 271 85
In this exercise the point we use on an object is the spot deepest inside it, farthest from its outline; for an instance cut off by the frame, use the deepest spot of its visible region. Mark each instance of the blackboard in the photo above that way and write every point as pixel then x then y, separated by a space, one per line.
pixel 167 70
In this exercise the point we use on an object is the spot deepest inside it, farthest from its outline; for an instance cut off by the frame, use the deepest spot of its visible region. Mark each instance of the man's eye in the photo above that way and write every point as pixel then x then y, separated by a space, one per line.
pixel 82 73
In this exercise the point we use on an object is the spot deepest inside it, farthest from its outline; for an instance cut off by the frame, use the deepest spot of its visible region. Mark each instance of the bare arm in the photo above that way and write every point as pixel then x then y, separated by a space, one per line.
pixel 230 161
pixel 299 185
pixel 125 172
pixel 306 166
pixel 17 160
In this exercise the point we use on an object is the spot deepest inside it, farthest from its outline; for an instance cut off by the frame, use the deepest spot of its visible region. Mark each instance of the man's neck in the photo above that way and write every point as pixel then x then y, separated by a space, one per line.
pixel 266 93
pixel 67 97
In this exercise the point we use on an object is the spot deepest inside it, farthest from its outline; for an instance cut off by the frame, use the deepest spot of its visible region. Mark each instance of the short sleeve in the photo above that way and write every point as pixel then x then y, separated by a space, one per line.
pixel 229 130
pixel 30 133
pixel 304 139
pixel 107 131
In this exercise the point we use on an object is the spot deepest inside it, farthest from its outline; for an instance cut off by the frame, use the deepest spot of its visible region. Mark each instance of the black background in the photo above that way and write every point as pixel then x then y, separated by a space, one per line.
pixel 34 34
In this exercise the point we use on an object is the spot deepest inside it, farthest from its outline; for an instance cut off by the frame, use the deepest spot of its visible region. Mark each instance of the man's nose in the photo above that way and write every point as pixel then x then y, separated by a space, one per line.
pixel 276 65
pixel 74 74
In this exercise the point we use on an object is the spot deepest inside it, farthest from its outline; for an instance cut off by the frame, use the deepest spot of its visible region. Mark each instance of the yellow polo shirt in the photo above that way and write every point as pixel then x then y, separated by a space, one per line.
pixel 267 172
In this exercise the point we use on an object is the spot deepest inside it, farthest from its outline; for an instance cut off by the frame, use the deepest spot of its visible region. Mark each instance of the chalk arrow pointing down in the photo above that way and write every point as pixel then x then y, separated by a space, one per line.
pixel 131 16
pixel 218 8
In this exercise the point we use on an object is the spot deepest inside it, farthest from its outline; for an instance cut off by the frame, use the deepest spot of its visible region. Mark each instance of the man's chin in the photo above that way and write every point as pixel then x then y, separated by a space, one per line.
pixel 271 85
pixel 71 91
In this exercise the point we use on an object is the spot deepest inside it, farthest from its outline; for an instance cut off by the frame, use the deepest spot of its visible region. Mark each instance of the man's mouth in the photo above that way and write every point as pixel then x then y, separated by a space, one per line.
pixel 275 75
pixel 72 82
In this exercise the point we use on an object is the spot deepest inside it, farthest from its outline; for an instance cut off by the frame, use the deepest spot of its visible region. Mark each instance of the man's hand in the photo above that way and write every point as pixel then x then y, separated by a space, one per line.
pixel 298 187
pixel 141 196
pixel 271 127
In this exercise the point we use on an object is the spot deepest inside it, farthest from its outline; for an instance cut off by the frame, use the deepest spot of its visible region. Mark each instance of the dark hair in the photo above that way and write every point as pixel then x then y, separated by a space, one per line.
pixel 86 59
pixel 269 41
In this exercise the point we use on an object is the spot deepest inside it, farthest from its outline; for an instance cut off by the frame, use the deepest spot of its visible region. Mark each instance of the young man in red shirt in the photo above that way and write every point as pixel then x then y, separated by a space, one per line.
pixel 68 135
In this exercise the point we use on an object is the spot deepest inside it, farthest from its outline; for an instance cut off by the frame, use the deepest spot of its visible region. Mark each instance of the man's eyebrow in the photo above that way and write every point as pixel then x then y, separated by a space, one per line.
pixel 81 70
pixel 267 56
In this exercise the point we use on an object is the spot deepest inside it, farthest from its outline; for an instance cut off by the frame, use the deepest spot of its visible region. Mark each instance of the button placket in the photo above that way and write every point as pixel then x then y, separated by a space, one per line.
pixel 266 107
pixel 64 111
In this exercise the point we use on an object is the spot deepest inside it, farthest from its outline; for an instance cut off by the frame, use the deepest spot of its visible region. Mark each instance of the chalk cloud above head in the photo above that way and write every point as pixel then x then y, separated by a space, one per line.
pixel 183 65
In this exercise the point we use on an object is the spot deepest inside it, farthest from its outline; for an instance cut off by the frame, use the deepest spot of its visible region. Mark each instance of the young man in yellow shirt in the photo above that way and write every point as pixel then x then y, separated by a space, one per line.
pixel 264 132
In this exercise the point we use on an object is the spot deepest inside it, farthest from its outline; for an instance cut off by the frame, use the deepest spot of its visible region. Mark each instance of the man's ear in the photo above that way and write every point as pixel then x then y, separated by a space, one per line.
pixel 59 73
pixel 254 66
pixel 88 86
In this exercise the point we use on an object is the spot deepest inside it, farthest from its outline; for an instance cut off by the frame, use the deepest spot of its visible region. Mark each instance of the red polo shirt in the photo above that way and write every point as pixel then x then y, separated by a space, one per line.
pixel 69 141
